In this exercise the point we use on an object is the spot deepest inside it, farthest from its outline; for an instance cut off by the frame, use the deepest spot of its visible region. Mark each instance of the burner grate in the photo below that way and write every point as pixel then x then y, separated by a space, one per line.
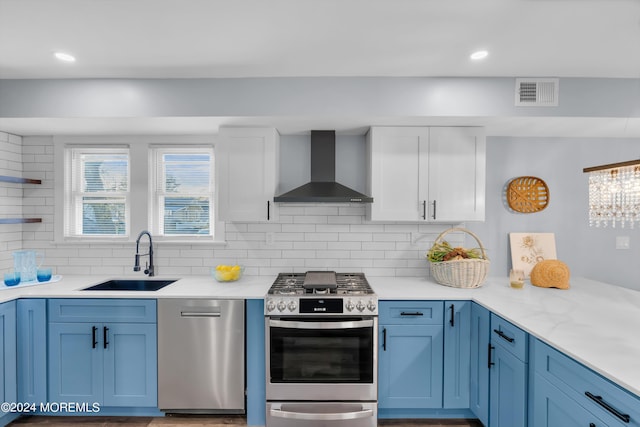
pixel 345 284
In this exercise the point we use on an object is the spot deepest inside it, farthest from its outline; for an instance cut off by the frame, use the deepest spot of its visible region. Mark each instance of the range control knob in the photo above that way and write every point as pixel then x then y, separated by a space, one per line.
pixel 271 305
pixel 349 305
pixel 282 305
pixel 371 305
pixel 292 306
pixel 360 306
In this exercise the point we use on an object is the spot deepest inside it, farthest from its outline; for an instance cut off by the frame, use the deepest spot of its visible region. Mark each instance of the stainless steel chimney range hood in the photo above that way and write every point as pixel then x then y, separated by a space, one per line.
pixel 323 187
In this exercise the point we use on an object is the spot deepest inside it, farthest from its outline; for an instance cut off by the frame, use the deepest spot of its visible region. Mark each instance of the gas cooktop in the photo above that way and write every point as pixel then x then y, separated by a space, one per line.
pixel 320 283
pixel 306 293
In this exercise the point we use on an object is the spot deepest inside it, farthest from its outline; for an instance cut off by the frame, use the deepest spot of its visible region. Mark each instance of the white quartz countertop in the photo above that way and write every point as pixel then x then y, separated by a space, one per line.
pixel 593 322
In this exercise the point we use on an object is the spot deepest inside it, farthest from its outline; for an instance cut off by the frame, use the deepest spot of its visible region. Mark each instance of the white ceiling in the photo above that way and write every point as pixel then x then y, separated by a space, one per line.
pixel 264 38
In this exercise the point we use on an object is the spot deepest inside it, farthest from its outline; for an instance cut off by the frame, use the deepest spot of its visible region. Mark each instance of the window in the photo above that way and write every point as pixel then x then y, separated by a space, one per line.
pixel 97 192
pixel 182 199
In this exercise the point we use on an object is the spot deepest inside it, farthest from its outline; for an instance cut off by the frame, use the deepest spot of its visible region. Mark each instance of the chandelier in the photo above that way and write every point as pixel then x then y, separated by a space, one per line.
pixel 614 194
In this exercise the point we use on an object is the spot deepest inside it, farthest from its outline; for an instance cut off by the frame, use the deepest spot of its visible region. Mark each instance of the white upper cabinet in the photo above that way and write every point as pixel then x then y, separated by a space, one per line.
pixel 247 174
pixel 432 174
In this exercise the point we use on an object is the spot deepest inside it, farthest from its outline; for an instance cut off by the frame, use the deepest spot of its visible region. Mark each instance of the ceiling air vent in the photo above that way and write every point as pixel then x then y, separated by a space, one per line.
pixel 537 92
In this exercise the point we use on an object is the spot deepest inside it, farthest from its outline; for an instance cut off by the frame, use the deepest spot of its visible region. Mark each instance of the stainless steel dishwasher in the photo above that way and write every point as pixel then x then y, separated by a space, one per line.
pixel 201 356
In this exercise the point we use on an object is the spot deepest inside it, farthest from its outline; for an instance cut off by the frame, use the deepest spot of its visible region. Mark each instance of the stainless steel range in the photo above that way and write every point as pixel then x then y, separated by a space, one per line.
pixel 321 350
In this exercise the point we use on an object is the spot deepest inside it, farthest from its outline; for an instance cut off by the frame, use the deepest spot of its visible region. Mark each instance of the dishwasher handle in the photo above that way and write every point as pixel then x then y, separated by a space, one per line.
pixel 200 314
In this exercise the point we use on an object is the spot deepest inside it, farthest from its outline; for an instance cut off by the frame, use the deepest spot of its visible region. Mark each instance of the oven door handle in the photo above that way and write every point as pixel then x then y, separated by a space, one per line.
pixel 321 325
pixel 323 416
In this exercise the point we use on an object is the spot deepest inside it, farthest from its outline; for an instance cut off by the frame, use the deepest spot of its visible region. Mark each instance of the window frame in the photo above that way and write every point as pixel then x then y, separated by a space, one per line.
pixel 74 194
pixel 140 148
pixel 156 175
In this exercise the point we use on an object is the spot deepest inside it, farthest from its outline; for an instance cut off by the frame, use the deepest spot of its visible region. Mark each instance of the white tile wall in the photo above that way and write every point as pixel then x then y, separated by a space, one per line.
pixel 10 198
pixel 306 237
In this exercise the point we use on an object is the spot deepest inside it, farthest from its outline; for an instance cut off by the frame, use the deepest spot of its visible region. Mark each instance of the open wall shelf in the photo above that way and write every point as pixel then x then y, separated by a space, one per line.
pixel 17 180
pixel 19 220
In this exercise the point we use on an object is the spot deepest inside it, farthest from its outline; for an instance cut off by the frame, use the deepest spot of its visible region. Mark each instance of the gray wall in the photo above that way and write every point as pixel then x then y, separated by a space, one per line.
pixel 588 251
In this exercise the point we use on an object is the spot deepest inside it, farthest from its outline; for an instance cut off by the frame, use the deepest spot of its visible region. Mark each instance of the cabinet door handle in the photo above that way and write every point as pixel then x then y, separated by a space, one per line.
pixel 94 341
pixel 489 362
pixel 411 313
pixel 424 209
pixel 452 320
pixel 268 210
pixel 434 209
pixel 384 339
pixel 503 336
pixel 105 336
pixel 600 401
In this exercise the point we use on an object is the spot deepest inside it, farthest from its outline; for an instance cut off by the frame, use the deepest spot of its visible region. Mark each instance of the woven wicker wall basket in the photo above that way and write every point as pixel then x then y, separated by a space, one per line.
pixel 527 194
pixel 464 273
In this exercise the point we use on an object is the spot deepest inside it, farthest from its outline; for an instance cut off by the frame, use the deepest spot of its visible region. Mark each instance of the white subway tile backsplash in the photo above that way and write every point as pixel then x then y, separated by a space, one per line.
pixel 305 236
pixel 298 228
pixel 299 254
pixel 322 237
pixel 311 219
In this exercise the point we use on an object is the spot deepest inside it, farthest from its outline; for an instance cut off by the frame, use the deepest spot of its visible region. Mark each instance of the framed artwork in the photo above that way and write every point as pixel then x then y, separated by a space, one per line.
pixel 527 249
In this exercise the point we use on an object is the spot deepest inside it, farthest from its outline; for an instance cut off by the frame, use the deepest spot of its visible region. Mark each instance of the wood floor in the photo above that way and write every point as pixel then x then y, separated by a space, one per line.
pixel 200 421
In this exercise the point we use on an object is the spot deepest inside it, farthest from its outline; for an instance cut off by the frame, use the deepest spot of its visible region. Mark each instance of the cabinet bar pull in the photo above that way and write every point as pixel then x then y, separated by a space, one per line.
pixel 424 209
pixel 489 362
pixel 384 339
pixel 409 313
pixel 434 209
pixel 452 321
pixel 268 210
pixel 94 342
pixel 600 401
pixel 503 336
pixel 105 341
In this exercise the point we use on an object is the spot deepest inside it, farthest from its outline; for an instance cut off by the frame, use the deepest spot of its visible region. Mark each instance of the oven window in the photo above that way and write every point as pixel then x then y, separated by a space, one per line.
pixel 321 356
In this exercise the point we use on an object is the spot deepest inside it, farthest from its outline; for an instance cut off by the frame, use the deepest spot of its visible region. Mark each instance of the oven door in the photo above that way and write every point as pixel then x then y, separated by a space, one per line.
pixel 322 358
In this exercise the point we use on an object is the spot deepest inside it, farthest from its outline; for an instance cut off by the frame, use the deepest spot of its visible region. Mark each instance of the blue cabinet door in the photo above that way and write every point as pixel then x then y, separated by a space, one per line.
pixel 479 378
pixel 8 384
pixel 410 366
pixel 551 407
pixel 457 354
pixel 130 364
pixel 32 348
pixel 75 363
pixel 507 404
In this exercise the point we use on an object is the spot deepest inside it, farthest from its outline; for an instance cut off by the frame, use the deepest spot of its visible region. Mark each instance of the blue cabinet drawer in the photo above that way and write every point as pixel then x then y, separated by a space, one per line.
pixel 102 310
pixel 411 312
pixel 510 337
pixel 598 395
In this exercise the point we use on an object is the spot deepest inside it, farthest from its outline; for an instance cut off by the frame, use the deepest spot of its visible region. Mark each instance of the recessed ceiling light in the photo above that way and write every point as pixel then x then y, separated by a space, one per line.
pixel 480 54
pixel 65 57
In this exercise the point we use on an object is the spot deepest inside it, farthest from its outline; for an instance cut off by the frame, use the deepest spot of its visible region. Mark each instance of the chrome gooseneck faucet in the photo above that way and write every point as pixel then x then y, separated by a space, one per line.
pixel 149 268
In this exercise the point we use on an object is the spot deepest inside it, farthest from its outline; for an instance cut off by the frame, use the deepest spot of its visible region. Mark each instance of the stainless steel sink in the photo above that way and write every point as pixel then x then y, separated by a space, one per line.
pixel 130 285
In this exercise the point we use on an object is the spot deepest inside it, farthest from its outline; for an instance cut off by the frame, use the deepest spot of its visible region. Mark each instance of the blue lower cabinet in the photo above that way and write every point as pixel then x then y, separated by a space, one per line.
pixel 75 363
pixel 410 366
pixel 8 344
pixel 111 364
pixel 550 407
pixel 32 348
pixel 480 368
pixel 457 354
pixel 130 365
pixel 508 361
pixel 410 357
pixel 255 360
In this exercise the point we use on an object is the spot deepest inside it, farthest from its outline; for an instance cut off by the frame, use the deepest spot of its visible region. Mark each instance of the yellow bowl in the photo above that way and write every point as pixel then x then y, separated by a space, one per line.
pixel 227 273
